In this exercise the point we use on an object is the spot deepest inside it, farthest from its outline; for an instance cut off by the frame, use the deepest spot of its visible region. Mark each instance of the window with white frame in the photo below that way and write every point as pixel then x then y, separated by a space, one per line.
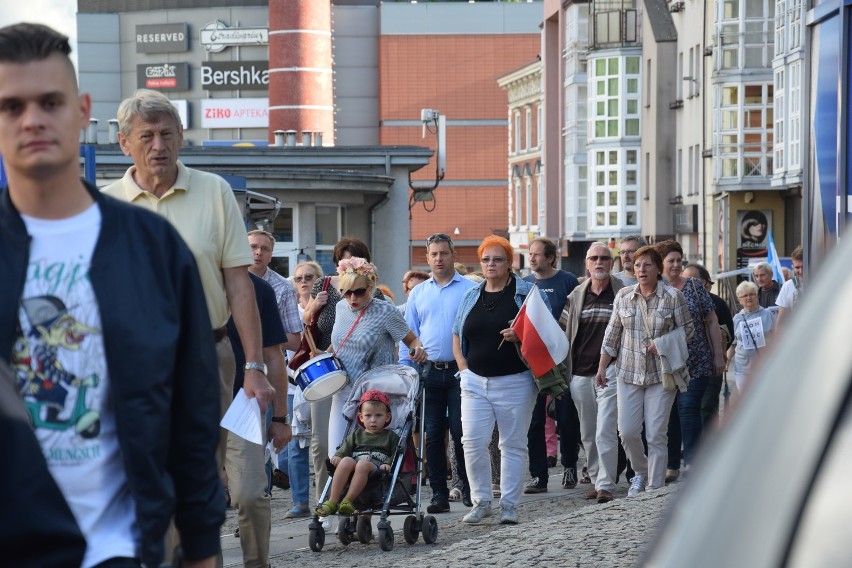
pixel 615 97
pixel 542 210
pixel 615 199
pixel 539 126
pixel 780 28
pixel 528 203
pixel 744 33
pixel 517 203
pixel 744 139
pixel 528 130
pixel 780 138
pixel 329 229
pixel 794 132
pixel 517 133
pixel 679 173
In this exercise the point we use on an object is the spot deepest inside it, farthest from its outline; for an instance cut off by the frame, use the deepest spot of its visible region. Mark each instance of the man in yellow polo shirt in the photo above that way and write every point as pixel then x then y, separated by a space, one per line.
pixel 202 208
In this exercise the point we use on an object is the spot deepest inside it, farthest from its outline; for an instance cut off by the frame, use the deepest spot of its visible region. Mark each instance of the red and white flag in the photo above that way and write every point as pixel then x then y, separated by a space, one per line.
pixel 543 343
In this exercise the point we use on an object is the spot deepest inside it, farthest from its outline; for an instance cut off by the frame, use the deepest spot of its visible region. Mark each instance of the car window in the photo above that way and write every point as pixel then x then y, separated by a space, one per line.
pixel 822 537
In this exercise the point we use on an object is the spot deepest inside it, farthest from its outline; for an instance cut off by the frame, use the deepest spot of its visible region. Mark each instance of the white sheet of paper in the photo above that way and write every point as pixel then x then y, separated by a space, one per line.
pixel 755 339
pixel 243 418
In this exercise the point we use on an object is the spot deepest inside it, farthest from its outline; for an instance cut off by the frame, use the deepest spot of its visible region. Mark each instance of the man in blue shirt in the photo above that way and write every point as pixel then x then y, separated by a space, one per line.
pixel 430 312
pixel 557 284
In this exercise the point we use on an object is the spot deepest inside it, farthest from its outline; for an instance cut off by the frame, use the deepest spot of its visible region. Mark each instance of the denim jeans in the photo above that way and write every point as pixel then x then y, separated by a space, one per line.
pixel 443 409
pixel 689 424
pixel 294 460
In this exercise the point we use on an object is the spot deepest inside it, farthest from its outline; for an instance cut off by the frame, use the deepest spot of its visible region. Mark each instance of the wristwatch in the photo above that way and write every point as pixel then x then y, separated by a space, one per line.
pixel 253 366
pixel 281 419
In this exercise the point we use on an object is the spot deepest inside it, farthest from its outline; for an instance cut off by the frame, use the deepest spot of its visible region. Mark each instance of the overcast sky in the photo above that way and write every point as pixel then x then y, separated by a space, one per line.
pixel 58 14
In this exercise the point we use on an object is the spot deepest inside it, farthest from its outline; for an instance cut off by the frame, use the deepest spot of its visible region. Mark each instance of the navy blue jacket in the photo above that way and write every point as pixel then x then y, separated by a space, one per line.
pixel 162 366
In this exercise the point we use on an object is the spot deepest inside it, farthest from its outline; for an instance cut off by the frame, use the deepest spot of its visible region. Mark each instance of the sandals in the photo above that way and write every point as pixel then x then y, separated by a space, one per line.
pixel 327 509
pixel 346 507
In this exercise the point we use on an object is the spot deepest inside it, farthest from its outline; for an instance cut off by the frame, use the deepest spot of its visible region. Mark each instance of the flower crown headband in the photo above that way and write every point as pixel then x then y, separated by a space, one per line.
pixel 355 265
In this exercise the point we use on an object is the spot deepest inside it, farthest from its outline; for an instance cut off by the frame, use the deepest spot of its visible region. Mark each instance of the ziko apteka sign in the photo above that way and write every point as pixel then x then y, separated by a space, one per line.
pixel 231 75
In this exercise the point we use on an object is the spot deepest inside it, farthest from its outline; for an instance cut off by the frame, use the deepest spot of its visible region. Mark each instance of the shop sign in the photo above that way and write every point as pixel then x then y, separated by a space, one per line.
pixel 235 113
pixel 229 75
pixel 162 38
pixel 163 76
pixel 217 35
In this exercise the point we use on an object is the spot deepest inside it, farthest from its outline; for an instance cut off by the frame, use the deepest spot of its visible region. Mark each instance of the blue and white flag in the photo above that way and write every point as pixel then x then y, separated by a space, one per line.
pixel 774 261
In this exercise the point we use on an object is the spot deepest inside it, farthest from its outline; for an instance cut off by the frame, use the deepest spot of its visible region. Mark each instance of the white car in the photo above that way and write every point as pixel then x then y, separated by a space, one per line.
pixel 775 488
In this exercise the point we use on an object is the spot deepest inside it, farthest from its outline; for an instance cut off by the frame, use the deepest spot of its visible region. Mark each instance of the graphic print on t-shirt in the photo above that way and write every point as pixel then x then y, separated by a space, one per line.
pixel 57 394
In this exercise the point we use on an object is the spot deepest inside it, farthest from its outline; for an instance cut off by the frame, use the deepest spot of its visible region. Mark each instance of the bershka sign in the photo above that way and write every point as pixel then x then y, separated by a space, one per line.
pixel 216 36
pixel 229 75
pixel 234 113
pixel 163 76
pixel 162 38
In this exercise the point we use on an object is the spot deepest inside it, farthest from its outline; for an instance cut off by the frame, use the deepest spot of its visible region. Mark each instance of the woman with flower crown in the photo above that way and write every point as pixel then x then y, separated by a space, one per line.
pixel 366 333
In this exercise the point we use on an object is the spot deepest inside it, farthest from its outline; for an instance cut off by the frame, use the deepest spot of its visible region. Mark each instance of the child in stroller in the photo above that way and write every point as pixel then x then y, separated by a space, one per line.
pixel 362 452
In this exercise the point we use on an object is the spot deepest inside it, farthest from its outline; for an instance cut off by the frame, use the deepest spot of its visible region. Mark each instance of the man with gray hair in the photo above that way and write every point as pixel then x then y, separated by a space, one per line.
pixel 201 206
pixel 629 245
pixel 767 288
pixel 584 318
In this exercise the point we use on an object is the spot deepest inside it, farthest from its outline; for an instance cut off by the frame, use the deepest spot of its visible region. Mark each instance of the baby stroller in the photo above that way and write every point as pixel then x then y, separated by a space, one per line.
pixel 387 493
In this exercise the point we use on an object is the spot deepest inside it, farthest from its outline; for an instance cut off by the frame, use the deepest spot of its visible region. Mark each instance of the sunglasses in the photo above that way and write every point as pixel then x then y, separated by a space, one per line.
pixel 305 278
pixel 597 258
pixel 357 293
pixel 495 260
pixel 439 238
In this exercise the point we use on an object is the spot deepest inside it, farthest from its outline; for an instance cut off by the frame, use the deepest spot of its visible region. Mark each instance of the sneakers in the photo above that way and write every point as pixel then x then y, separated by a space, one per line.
pixel 439 504
pixel 604 496
pixel 591 493
pixel 508 515
pixel 585 478
pixel 637 486
pixel 569 478
pixel 536 485
pixel 479 512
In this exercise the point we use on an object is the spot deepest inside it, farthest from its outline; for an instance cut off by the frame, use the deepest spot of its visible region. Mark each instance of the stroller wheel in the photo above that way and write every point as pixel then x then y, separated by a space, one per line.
pixel 316 538
pixel 430 529
pixel 344 531
pixel 386 536
pixel 409 529
pixel 363 529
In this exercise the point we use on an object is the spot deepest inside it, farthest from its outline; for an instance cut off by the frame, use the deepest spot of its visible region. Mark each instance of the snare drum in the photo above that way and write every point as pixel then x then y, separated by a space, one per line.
pixel 321 377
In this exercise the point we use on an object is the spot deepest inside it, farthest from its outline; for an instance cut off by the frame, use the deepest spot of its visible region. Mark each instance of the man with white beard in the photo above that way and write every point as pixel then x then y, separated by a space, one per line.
pixel 585 318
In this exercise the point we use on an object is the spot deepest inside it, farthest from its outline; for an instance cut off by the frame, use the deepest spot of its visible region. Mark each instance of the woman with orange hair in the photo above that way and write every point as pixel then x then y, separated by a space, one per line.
pixel 496 385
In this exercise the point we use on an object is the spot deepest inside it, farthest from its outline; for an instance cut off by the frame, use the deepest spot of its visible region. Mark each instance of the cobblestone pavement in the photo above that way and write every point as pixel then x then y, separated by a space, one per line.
pixel 557 528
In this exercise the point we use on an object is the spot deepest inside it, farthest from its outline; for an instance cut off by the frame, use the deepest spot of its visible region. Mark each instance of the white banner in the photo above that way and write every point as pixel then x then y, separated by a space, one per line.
pixel 235 113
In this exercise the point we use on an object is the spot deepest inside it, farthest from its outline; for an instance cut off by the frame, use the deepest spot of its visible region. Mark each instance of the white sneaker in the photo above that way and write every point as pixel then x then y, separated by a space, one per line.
pixel 479 512
pixel 637 486
pixel 508 516
pixel 326 523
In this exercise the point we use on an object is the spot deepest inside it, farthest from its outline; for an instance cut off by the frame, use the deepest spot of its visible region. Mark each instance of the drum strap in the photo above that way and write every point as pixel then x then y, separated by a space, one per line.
pixel 351 329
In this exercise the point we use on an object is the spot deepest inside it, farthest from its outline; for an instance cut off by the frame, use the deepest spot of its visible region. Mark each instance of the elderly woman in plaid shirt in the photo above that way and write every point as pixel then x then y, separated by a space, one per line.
pixel 641 313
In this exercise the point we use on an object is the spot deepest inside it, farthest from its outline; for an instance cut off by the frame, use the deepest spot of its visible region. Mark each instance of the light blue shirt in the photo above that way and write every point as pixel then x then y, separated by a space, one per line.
pixel 430 313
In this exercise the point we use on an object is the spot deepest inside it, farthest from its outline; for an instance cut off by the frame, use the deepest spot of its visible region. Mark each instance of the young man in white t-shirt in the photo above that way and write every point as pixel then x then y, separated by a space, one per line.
pixel 126 421
pixel 788 297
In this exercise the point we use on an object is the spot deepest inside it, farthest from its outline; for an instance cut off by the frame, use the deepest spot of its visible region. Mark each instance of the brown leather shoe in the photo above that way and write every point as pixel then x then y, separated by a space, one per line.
pixel 672 475
pixel 591 492
pixel 604 496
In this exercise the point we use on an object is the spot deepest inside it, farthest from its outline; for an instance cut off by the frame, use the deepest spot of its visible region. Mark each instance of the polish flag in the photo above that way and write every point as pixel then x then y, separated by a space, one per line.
pixel 543 343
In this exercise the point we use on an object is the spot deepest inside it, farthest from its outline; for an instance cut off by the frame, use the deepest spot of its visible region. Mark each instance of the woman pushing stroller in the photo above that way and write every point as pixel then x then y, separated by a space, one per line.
pixel 361 453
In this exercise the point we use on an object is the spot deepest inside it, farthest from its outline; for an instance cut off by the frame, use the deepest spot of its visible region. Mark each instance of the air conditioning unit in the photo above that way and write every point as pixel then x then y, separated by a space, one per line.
pixel 676 104
pixel 708 51
pixel 676 7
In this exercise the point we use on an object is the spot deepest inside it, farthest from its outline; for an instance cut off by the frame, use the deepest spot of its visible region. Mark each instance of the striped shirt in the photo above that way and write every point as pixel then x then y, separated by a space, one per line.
pixel 627 339
pixel 373 341
pixel 285 297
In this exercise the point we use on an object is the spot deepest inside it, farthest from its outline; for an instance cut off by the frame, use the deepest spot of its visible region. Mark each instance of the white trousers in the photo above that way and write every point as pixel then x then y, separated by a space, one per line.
pixel 508 401
pixel 597 409
pixel 652 405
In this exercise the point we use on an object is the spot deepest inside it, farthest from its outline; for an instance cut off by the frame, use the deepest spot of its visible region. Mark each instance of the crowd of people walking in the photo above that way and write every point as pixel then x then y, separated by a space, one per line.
pixel 126 373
